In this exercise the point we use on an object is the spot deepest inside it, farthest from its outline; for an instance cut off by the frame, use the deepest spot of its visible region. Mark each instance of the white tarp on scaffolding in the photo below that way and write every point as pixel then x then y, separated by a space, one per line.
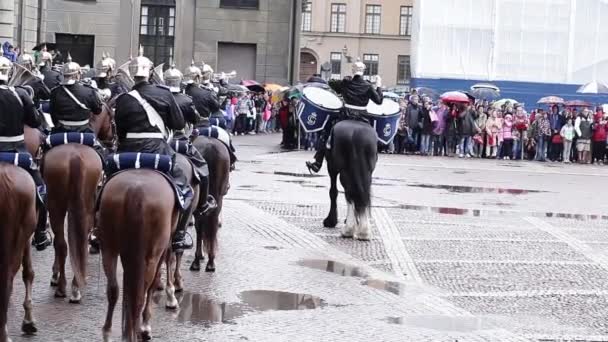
pixel 549 41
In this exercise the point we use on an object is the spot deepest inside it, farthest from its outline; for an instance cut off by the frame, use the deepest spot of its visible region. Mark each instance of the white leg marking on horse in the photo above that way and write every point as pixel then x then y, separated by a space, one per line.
pixel 349 226
pixel 76 296
pixel 171 300
pixel 362 229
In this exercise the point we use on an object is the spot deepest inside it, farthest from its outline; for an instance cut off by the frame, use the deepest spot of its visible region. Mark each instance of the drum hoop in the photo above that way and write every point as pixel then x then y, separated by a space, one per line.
pixel 309 100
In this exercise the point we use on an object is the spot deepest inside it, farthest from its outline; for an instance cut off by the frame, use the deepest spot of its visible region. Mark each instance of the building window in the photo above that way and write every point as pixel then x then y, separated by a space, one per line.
pixel 404 70
pixel 338 18
pixel 245 4
pixel 336 65
pixel 405 21
pixel 307 17
pixel 371 65
pixel 372 19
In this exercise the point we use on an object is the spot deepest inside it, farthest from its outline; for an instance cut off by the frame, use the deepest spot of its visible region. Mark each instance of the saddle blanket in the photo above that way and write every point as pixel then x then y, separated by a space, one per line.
pixel 180 146
pixel 57 139
pixel 163 164
pixel 213 132
pixel 23 160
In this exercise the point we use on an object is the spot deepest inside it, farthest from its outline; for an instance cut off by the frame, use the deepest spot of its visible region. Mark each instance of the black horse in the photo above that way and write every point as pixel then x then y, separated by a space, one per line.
pixel 353 156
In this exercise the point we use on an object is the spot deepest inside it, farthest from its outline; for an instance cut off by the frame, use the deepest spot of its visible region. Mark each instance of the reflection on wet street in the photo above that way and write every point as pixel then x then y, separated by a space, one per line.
pixel 441 323
pixel 474 189
pixel 334 267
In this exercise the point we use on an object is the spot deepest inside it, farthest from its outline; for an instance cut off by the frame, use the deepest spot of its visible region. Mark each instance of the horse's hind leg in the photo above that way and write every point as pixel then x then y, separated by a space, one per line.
pixel 28 326
pixel 57 213
pixel 362 230
pixel 198 255
pixel 178 282
pixel 349 227
pixel 332 218
pixel 210 237
pixel 171 302
pixel 150 272
pixel 110 260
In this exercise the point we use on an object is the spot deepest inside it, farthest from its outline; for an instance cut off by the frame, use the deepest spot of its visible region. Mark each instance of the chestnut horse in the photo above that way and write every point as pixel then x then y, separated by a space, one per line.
pixel 18 213
pixel 72 173
pixel 218 158
pixel 136 218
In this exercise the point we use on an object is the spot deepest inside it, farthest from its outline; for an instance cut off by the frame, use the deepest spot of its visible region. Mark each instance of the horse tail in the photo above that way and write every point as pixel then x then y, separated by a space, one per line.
pixel 360 178
pixel 210 227
pixel 7 240
pixel 78 224
pixel 134 264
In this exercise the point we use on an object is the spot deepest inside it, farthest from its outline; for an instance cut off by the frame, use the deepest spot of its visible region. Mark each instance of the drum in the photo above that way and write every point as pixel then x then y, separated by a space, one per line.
pixel 385 119
pixel 45 107
pixel 316 107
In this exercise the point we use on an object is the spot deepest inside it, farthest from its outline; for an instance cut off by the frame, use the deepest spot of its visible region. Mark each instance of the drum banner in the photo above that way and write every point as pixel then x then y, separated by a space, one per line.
pixel 312 119
pixel 385 126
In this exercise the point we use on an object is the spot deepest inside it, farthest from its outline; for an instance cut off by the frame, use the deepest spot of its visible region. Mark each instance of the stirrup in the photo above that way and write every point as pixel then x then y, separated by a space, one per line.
pixel 313 167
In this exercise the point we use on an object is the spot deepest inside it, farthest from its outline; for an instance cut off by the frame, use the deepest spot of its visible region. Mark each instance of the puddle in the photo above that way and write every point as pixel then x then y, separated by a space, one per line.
pixel 247 186
pixel 334 267
pixel 201 310
pixel 290 174
pixel 262 300
pixel 441 323
pixel 273 248
pixel 388 286
pixel 498 204
pixel 460 172
pixel 473 189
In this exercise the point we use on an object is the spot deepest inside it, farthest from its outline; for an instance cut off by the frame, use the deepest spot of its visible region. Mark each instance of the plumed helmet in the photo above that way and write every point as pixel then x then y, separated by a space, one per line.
pixel 45 57
pixel 191 73
pixel 5 68
pixel 173 79
pixel 26 60
pixel 358 68
pixel 104 67
pixel 70 68
pixel 140 66
pixel 207 72
pixel 111 61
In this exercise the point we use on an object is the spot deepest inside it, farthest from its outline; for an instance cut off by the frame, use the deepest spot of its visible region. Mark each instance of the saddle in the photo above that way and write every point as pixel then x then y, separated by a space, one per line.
pixel 162 164
pixel 213 132
pixel 57 139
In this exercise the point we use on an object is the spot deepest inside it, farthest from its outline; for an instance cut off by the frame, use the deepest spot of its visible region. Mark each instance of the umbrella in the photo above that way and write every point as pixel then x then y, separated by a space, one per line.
pixel 455 96
pixel 49 46
pixel 501 102
pixel 485 91
pixel 236 88
pixel 279 94
pixel 551 100
pixel 272 87
pixel 253 86
pixel 391 95
pixel 424 91
pixel 593 88
pixel 577 103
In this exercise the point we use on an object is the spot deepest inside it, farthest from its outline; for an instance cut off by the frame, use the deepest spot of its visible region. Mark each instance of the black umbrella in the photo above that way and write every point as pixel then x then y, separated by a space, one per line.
pixel 49 46
pixel 485 91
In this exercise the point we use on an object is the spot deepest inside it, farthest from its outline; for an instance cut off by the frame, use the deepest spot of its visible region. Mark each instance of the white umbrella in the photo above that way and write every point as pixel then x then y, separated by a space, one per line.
pixel 594 87
pixel 391 95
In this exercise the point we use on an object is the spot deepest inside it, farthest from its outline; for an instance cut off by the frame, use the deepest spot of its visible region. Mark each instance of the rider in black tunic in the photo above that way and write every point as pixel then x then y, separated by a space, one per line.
pixel 16 110
pixel 51 78
pixel 356 93
pixel 139 132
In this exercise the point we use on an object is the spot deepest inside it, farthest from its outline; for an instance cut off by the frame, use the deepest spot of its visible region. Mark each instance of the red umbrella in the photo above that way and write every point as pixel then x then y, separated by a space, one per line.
pixel 577 103
pixel 455 96
pixel 551 100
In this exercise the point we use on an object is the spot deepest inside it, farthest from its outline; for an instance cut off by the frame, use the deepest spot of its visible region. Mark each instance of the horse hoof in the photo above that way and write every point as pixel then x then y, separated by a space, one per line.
pixel 60 294
pixel 172 306
pixel 160 288
pixel 210 268
pixel 179 289
pixel 361 237
pixel 146 336
pixel 93 250
pixel 29 328
pixel 74 301
pixel 195 266
pixel 54 281
pixel 329 223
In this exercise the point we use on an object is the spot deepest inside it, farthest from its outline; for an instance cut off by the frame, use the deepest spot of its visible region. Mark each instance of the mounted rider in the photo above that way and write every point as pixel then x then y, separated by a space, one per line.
pixel 143 117
pixel 42 93
pixel 51 78
pixel 103 75
pixel 16 110
pixel 205 99
pixel 356 93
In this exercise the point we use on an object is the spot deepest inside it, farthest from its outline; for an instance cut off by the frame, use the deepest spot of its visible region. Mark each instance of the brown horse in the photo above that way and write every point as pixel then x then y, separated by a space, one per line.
pixel 18 212
pixel 137 216
pixel 72 173
pixel 218 158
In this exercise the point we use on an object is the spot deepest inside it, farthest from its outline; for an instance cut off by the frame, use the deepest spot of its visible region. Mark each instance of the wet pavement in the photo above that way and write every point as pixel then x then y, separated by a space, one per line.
pixel 462 250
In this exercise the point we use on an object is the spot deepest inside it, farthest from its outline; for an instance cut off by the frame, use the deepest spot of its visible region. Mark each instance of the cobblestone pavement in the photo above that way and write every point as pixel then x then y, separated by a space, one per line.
pixel 462 250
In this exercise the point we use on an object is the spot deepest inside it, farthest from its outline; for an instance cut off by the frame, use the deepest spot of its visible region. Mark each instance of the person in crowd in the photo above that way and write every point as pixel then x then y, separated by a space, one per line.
pixel 598 139
pixel 267 114
pixel 8 52
pixel 542 133
pixel 492 128
pixel 567 134
pixel 439 146
pixel 426 128
pixel 260 107
pixel 244 107
pixel 584 132
pixel 467 130
pixel 480 137
pixel 507 137
pixel 413 113
pixel 556 121
pixel 401 136
pixel 451 131
pixel 521 124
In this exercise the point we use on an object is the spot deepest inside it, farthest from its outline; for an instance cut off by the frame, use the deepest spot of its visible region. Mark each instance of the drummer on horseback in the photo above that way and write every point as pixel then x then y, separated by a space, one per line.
pixel 17 109
pixel 142 118
pixel 356 93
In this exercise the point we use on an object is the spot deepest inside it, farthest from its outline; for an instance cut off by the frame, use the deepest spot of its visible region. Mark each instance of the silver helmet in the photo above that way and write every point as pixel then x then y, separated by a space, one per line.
pixel 140 66
pixel 45 57
pixel 207 73
pixel 173 79
pixel 192 74
pixel 71 71
pixel 27 61
pixel 358 68
pixel 104 67
pixel 111 61
pixel 5 68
